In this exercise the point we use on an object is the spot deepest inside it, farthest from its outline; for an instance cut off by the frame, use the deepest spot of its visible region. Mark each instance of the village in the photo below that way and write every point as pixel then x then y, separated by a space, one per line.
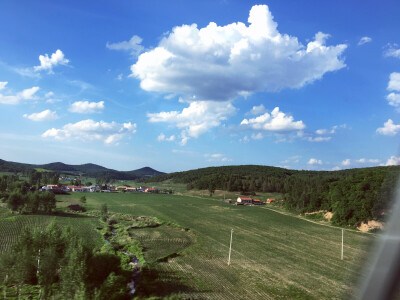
pixel 251 201
pixel 65 188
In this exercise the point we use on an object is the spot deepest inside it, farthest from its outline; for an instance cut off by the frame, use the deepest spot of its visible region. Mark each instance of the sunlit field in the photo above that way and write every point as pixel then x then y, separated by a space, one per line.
pixel 273 255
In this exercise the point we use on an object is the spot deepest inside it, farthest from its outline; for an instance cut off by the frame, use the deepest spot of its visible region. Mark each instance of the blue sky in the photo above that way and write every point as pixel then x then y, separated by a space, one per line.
pixel 178 85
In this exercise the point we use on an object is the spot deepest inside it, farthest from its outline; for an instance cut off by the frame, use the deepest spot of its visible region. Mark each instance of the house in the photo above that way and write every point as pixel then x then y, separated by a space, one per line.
pixel 256 202
pixel 142 188
pixel 121 188
pixel 94 189
pixel 130 189
pixel 150 190
pixel 244 200
pixel 269 200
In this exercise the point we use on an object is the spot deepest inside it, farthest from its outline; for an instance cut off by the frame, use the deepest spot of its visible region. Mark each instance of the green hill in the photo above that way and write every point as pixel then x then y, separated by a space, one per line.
pixel 90 170
pixel 353 195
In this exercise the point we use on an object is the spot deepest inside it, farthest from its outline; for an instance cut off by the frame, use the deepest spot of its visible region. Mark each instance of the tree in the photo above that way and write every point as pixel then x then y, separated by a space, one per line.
pixel 211 188
pixel 83 199
pixel 15 201
pixel 104 211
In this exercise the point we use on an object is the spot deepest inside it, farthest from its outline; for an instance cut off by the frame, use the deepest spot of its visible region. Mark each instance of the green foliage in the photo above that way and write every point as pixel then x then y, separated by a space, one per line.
pixel 60 262
pixel 104 211
pixel 83 199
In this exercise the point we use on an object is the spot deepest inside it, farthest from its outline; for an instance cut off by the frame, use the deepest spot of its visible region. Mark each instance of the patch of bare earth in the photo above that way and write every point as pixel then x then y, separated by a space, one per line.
pixel 314 212
pixel 372 224
pixel 328 215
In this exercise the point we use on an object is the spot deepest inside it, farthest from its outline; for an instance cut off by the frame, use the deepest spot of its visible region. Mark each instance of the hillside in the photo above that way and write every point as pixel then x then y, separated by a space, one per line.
pixel 353 195
pixel 89 169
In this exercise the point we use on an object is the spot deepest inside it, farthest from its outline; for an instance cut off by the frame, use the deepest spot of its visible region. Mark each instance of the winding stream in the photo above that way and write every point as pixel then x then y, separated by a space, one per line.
pixel 134 263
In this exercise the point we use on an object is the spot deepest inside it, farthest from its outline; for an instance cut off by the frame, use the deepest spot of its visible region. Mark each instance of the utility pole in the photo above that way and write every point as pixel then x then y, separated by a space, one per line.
pixel 342 244
pixel 38 263
pixel 230 249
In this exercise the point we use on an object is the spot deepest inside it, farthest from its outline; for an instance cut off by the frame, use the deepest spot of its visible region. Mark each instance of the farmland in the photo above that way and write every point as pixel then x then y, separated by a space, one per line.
pixel 273 256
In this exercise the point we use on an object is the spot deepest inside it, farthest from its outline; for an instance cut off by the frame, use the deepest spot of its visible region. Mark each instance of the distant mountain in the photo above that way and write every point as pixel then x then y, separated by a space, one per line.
pixel 146 171
pixel 90 170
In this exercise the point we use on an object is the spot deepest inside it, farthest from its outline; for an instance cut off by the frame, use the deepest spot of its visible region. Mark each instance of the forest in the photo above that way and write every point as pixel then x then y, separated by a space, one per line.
pixel 353 195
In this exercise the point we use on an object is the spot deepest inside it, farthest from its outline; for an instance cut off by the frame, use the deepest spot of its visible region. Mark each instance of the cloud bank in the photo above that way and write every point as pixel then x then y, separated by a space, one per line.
pixel 14 99
pixel 277 121
pixel 89 130
pixel 389 128
pixel 196 119
pixel 86 107
pixel 46 115
pixel 221 63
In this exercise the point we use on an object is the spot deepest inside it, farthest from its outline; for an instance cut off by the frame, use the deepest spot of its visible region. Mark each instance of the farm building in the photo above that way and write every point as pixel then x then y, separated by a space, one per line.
pixel 269 200
pixel 256 201
pixel 244 200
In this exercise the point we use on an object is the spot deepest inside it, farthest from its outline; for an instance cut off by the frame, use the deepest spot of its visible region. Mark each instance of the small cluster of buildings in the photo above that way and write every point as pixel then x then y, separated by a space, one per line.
pixel 251 201
pixel 142 189
pixel 71 188
pixel 93 189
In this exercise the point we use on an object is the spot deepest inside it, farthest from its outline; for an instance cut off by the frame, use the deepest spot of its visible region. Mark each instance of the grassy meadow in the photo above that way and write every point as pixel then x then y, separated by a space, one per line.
pixel 274 256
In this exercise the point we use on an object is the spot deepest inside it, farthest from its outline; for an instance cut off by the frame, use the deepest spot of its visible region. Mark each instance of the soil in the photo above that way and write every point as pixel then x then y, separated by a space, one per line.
pixel 372 224
pixel 328 215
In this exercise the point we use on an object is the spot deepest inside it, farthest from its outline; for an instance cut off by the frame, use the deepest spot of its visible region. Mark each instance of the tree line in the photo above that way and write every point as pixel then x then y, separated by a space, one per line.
pixel 20 196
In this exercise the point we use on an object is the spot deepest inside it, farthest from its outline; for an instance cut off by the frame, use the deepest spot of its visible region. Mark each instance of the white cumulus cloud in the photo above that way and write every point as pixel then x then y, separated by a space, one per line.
pixel 46 115
pixel 89 130
pixel 277 121
pixel 133 45
pixel 346 162
pixel 318 139
pixel 86 107
pixel 393 99
pixel 364 161
pixel 389 128
pixel 393 161
pixel 196 119
pixel 221 63
pixel 392 50
pixel 257 110
pixel 217 157
pixel 26 94
pixel 394 82
pixel 258 136
pixel 364 40
pixel 322 135
pixel 162 137
pixel 47 63
pixel 314 161
pixel 394 86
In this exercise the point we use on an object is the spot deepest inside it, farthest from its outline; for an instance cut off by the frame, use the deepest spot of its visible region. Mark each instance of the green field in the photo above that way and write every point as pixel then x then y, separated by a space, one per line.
pixel 274 256
pixel 12 225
